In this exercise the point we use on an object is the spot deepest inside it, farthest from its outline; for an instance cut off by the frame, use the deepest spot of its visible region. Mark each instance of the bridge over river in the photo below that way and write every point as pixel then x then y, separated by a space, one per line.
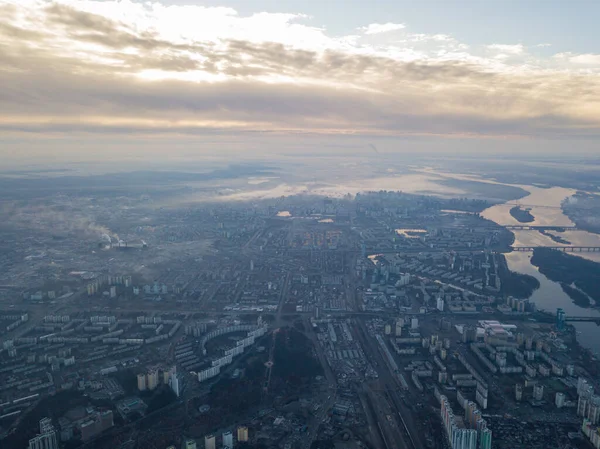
pixel 540 228
pixel 566 249
pixel 562 318
pixel 589 319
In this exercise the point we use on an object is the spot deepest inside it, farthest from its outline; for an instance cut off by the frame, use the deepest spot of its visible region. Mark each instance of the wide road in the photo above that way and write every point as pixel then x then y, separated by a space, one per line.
pixel 282 297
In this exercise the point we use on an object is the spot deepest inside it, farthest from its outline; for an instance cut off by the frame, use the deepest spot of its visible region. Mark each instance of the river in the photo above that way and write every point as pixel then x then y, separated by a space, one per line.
pixel 550 295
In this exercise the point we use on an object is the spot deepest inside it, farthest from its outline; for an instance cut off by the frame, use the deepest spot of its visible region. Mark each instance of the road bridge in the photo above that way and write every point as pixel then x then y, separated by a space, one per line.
pixel 543 206
pixel 589 319
pixel 538 206
pixel 566 249
pixel 524 227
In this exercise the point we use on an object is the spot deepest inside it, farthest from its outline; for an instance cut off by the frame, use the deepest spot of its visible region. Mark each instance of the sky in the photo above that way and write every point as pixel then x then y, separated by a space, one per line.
pixel 91 78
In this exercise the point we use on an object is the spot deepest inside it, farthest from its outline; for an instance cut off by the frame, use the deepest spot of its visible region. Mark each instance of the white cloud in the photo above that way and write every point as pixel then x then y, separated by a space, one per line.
pixel 516 49
pixel 124 66
pixel 586 62
pixel 431 37
pixel 586 59
pixel 379 28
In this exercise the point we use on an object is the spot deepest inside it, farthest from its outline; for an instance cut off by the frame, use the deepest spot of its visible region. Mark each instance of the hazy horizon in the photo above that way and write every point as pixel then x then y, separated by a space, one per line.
pixel 88 80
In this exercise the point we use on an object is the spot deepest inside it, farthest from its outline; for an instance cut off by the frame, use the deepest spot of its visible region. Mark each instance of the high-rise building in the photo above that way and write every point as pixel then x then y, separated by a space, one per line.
pixel 46 425
pixel 190 444
pixel 174 384
pixel 141 382
pixel 591 431
pixel 228 439
pixel 97 424
pixel 88 430
pixel 152 380
pixel 538 392
pixel 47 438
pixel 464 439
pixel 581 385
pixel 442 377
pixel 414 323
pixel 561 316
pixel 582 404
pixel 469 411
pixel 520 338
pixel 469 334
pixel 518 392
pixel 209 442
pixel 106 420
pixel 588 406
pixel 485 439
pixel 399 324
pixel 465 434
pixel 440 304
pixel 242 434
pixel 559 400
pixel 481 399
pixel 168 373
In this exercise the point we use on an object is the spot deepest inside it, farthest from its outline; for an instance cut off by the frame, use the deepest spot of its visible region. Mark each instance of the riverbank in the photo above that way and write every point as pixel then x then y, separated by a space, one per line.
pixel 584 209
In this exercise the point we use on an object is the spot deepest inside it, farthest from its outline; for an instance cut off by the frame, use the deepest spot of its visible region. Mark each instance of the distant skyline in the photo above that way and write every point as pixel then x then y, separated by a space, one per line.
pixel 239 75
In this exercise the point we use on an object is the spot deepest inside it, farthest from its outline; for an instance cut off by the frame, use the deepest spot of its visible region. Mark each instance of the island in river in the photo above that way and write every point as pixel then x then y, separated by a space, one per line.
pixel 522 215
pixel 555 238
pixel 578 277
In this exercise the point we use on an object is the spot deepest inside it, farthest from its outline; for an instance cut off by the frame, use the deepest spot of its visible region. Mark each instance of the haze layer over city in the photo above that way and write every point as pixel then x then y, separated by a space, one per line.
pixel 256 224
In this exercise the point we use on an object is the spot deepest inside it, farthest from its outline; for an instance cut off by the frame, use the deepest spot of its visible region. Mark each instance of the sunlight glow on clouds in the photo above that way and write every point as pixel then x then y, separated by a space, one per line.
pixel 132 67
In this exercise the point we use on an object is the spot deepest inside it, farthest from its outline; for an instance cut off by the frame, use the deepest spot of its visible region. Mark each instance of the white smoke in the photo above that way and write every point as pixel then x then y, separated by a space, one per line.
pixel 54 221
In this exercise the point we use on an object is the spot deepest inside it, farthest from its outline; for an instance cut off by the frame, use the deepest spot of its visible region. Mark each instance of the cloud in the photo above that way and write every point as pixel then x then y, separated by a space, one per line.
pixel 516 49
pixel 127 68
pixel 378 28
pixel 586 59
